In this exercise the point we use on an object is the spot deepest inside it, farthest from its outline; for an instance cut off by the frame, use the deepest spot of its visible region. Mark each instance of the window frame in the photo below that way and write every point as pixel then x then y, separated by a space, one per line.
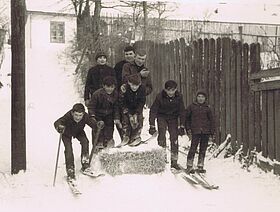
pixel 55 27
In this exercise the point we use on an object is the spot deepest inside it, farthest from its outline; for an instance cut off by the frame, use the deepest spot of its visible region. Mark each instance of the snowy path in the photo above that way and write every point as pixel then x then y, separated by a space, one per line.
pixel 50 93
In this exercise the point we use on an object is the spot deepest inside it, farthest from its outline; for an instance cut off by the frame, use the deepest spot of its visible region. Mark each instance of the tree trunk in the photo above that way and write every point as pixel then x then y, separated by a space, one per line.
pixel 145 20
pixel 18 145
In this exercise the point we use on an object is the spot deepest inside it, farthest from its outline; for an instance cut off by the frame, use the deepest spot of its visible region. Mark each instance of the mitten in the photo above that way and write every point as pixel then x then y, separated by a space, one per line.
pixel 152 130
pixel 181 130
pixel 60 128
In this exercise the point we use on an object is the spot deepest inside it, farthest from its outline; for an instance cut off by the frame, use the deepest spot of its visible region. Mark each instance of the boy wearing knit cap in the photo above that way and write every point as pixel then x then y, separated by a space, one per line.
pixel 96 74
pixel 132 100
pixel 200 126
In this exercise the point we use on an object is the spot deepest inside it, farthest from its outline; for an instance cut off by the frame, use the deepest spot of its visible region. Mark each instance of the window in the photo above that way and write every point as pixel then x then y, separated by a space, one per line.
pixel 57 32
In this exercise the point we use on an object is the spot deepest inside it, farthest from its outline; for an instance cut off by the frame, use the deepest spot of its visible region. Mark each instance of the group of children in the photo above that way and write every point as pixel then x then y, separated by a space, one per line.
pixel 116 96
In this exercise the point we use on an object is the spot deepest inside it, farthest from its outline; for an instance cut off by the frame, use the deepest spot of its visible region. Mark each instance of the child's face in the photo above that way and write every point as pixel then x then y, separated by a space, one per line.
pixel 200 98
pixel 171 91
pixel 109 89
pixel 140 60
pixel 129 56
pixel 77 116
pixel 133 86
pixel 101 60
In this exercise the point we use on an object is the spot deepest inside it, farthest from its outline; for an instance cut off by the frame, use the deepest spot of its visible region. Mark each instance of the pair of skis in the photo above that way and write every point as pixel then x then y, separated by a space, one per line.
pixel 74 186
pixel 197 179
pixel 137 143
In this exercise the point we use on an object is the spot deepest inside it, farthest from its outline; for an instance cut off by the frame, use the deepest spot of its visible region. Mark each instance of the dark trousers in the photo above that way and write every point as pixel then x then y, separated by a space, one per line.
pixel 202 141
pixel 172 126
pixel 68 151
pixel 106 133
pixel 127 128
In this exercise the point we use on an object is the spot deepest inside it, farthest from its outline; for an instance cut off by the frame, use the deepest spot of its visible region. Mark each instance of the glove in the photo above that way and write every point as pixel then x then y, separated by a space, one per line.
pixel 123 88
pixel 100 124
pixel 144 73
pixel 125 111
pixel 152 130
pixel 181 130
pixel 60 128
pixel 118 123
pixel 212 138
pixel 133 121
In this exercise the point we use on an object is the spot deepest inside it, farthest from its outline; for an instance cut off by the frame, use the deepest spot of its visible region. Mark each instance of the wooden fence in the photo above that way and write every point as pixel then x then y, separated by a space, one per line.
pixel 229 71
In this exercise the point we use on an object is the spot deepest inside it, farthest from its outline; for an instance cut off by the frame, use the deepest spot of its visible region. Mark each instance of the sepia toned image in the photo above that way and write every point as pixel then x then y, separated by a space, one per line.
pixel 151 106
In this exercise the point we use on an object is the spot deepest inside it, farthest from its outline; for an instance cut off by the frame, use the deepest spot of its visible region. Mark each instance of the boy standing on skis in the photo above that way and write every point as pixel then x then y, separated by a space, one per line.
pixel 200 126
pixel 132 100
pixel 71 125
pixel 168 108
pixel 104 106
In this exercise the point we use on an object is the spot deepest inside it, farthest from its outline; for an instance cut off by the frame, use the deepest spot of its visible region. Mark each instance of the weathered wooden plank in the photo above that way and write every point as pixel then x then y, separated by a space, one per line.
pixel 264 125
pixel 274 72
pixel 211 72
pixel 195 68
pixel 183 82
pixel 238 92
pixel 227 80
pixel 189 77
pixel 205 74
pixel 270 124
pixel 177 61
pixel 200 64
pixel 233 105
pixel 245 91
pixel 171 61
pixel 267 85
pixel 258 104
pixel 217 75
pixel 252 99
pixel 225 56
pixel 277 124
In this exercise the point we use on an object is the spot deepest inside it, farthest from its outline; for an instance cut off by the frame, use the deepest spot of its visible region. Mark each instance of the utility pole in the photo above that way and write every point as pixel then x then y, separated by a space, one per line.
pixel 145 20
pixel 18 133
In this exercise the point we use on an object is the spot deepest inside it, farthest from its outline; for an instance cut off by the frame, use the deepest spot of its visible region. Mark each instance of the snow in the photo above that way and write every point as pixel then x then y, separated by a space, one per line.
pixel 50 93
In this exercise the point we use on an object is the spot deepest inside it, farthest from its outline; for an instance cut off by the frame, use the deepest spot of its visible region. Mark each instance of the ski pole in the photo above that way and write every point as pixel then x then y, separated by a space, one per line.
pixel 99 128
pixel 57 157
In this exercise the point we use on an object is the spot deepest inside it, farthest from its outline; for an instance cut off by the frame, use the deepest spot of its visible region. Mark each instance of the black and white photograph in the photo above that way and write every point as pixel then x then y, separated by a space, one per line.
pixel 140 106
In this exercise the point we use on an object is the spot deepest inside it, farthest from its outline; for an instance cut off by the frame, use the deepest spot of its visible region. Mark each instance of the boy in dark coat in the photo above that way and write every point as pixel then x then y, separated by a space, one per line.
pixel 137 67
pixel 72 125
pixel 168 108
pixel 132 101
pixel 104 106
pixel 96 74
pixel 200 126
pixel 129 55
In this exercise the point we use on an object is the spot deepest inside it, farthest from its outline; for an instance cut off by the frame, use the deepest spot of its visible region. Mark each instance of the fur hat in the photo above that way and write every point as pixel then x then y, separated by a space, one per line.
pixel 135 79
pixel 202 92
pixel 99 54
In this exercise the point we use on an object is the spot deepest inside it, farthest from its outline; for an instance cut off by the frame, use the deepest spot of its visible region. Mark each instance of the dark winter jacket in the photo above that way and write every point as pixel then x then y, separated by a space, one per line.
pixel 102 104
pixel 94 79
pixel 167 107
pixel 199 119
pixel 132 101
pixel 73 128
pixel 132 68
pixel 118 69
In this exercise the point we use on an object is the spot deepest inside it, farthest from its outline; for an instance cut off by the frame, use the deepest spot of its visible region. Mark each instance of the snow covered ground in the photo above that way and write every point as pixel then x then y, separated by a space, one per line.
pixel 50 93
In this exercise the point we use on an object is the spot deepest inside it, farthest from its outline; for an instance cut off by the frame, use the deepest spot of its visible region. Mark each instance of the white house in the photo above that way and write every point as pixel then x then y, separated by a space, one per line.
pixel 49 30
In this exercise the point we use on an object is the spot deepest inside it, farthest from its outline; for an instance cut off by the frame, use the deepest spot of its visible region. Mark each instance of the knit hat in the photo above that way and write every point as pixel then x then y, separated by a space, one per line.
pixel 135 79
pixel 202 92
pixel 99 54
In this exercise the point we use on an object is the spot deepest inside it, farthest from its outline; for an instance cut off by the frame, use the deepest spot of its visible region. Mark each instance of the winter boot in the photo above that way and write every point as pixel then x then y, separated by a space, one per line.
pixel 201 170
pixel 71 174
pixel 125 141
pixel 175 165
pixel 190 170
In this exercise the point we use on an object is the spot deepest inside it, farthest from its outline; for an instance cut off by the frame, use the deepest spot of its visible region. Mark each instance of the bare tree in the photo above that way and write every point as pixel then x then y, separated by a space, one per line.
pixel 18 15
